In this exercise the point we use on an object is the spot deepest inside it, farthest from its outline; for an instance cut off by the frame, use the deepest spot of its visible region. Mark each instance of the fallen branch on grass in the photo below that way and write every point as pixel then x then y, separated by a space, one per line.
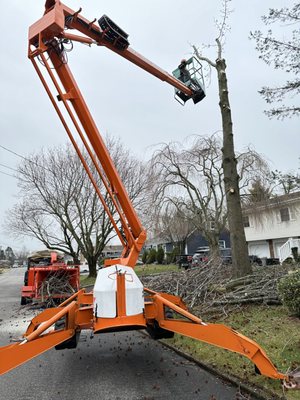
pixel 212 287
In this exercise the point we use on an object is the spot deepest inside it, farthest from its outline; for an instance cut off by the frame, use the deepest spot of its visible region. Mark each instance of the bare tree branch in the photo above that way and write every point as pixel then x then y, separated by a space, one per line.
pixel 60 207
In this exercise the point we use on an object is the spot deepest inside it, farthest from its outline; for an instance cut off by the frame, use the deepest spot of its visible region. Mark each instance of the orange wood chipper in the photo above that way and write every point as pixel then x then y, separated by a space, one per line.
pixel 119 301
pixel 49 279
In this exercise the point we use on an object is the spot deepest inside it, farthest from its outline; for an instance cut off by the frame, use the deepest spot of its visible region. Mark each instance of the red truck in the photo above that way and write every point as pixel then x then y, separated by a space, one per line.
pixel 49 279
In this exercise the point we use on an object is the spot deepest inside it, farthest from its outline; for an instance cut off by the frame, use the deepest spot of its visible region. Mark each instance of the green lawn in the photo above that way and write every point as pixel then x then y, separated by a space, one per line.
pixel 142 270
pixel 150 269
pixel 86 280
pixel 271 327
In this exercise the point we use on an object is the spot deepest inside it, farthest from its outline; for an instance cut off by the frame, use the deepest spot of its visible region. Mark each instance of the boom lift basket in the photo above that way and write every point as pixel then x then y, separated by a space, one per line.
pixel 190 73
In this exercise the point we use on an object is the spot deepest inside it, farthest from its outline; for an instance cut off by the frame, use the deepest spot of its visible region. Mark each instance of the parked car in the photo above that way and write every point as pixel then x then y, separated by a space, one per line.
pixel 226 256
pixel 200 258
pixel 83 268
pixel 184 261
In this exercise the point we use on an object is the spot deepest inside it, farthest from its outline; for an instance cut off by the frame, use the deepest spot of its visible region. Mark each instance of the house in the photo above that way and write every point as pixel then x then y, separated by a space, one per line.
pixel 156 242
pixel 271 224
pixel 194 240
pixel 112 251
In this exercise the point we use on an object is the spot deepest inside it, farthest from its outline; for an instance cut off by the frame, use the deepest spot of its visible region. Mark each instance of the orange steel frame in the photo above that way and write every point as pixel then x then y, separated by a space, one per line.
pixel 36 276
pixel 77 312
pixel 42 36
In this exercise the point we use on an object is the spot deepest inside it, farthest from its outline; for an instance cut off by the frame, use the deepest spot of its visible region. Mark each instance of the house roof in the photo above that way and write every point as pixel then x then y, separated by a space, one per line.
pixel 273 202
pixel 113 247
pixel 157 241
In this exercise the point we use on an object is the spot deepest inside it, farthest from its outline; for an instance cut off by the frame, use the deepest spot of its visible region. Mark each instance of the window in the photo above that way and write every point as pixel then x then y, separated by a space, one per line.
pixel 211 225
pixel 246 221
pixel 284 214
pixel 222 244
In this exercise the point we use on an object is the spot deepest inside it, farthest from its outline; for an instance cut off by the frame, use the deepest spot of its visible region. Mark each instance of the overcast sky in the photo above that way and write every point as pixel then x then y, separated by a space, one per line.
pixel 129 103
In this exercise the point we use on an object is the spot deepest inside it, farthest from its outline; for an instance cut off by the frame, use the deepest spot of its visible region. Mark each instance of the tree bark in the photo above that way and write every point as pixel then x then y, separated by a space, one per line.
pixel 92 263
pixel 240 259
pixel 213 243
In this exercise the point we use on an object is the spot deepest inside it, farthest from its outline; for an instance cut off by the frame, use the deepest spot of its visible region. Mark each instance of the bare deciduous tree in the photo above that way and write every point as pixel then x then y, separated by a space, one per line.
pixel 22 254
pixel 190 179
pixel 60 207
pixel 281 53
pixel 270 184
pixel 173 226
pixel 286 182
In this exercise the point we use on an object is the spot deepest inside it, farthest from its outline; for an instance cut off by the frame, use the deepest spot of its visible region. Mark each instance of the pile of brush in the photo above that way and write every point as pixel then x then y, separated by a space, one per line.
pixel 55 288
pixel 213 287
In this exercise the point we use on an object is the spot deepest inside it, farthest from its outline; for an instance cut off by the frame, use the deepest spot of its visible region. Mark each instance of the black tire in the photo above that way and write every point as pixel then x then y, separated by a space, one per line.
pixel 69 343
pixel 23 301
pixel 169 313
pixel 26 278
pixel 156 332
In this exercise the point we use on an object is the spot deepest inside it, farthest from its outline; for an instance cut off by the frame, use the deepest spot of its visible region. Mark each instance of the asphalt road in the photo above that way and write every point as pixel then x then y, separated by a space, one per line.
pixel 123 366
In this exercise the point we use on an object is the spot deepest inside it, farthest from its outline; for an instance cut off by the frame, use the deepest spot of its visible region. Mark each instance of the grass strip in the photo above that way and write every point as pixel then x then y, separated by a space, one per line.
pixel 271 327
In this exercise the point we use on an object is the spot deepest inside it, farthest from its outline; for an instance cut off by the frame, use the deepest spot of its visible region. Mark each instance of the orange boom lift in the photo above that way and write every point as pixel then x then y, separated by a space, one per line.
pixel 118 301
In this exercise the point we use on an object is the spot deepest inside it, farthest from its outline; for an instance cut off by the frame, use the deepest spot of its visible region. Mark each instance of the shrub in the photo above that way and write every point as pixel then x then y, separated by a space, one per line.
pixel 144 256
pixel 175 253
pixel 289 291
pixel 160 255
pixel 151 256
pixel 169 258
pixel 295 253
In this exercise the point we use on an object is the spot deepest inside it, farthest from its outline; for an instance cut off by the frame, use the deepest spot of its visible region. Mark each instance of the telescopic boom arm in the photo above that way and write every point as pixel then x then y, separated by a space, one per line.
pixel 47 40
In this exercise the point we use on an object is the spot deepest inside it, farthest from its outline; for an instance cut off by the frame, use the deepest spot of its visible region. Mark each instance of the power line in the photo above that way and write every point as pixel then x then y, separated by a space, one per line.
pixel 6 166
pixel 20 172
pixel 24 158
pixel 13 152
pixel 13 176
pixel 5 173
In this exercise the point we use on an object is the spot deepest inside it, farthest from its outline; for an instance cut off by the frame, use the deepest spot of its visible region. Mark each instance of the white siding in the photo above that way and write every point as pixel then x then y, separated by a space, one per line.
pixel 266 224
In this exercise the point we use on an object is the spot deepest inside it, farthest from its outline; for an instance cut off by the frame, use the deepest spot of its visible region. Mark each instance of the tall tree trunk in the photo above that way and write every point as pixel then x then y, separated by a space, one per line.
pixel 240 259
pixel 213 243
pixel 92 262
pixel 182 246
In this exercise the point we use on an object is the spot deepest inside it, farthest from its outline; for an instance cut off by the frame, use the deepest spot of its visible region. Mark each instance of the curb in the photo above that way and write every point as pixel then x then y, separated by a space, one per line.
pixel 258 392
